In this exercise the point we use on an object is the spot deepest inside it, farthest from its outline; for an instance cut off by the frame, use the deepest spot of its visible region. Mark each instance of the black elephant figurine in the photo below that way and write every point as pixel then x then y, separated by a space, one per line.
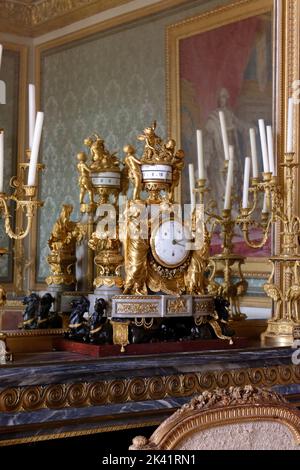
pixel 31 311
pixel 78 328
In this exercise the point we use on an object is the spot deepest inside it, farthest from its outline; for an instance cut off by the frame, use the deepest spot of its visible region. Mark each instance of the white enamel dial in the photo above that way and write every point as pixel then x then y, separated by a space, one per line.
pixel 169 243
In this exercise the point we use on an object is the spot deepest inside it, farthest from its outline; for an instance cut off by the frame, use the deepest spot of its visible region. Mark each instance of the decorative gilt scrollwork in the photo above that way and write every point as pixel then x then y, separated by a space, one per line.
pixel 56 396
pixel 177 306
pixel 138 309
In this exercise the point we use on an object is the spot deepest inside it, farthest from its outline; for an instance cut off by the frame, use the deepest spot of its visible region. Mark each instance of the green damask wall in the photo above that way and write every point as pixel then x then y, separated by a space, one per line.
pixel 113 84
pixel 9 122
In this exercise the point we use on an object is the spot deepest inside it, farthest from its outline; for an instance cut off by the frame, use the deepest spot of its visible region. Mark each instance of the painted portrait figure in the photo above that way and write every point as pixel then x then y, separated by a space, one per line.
pixel 228 68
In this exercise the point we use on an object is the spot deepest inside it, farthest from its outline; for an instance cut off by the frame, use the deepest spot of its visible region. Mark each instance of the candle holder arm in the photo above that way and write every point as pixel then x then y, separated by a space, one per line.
pixel 251 243
pixel 254 202
pixel 29 207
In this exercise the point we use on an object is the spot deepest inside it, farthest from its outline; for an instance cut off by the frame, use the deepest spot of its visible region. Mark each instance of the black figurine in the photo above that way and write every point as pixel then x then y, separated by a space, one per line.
pixel 100 329
pixel 138 334
pixel 30 314
pixel 77 323
pixel 222 310
pixel 43 320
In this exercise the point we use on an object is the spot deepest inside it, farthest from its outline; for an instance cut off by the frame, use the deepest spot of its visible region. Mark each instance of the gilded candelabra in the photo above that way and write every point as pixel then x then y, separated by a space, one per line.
pixel 280 209
pixel 26 202
pixel 229 289
pixel 25 198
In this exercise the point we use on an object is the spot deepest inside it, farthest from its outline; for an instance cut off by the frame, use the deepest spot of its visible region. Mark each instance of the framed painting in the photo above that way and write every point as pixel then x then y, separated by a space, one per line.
pixel 230 60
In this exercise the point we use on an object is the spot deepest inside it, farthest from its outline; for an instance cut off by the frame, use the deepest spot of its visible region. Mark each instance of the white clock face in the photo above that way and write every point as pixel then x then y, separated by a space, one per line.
pixel 169 243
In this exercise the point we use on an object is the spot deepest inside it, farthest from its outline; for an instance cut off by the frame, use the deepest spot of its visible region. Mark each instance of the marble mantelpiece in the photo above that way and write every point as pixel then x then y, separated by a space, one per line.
pixel 44 395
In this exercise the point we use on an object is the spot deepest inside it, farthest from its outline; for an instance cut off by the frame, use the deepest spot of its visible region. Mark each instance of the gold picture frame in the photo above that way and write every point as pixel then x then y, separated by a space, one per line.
pixel 285 63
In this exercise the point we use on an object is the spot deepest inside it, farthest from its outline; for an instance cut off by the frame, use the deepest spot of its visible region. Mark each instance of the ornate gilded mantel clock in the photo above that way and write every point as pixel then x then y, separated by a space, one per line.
pixel 163 276
pixel 156 245
pixel 147 269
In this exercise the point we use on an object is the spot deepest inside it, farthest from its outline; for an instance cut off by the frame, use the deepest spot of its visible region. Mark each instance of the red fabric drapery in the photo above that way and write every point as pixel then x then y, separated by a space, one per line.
pixel 217 59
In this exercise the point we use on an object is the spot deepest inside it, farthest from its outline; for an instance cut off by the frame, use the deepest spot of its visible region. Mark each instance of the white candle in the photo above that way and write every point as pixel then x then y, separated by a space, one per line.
pixel 253 153
pixel 290 122
pixel 246 182
pixel 265 208
pixel 2 84
pixel 35 148
pixel 231 157
pixel 200 154
pixel 1 160
pixel 224 134
pixel 263 141
pixel 229 181
pixel 31 112
pixel 270 150
pixel 192 186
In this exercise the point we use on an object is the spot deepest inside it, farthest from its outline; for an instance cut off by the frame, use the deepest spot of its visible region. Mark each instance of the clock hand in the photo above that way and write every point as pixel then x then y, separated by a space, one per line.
pixel 172 231
pixel 175 242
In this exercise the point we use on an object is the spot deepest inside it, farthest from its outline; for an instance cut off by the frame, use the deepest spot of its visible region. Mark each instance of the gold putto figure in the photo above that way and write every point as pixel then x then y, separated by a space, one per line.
pixel 101 158
pixel 178 165
pixel 157 171
pixel 152 144
pixel 134 172
pixel 84 180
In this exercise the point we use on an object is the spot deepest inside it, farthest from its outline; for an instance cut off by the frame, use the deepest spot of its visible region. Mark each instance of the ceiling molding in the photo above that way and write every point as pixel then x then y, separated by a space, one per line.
pixel 36 17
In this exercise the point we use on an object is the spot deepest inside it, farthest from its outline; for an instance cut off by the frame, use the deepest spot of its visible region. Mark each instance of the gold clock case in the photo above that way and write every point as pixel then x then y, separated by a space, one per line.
pixel 154 231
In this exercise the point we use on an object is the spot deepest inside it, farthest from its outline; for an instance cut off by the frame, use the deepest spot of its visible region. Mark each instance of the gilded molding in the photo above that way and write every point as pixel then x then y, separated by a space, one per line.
pixel 14 303
pixel 84 432
pixel 17 12
pixel 139 309
pixel 37 332
pixel 37 13
pixel 39 17
pixel 136 389
pixel 178 306
pixel 50 9
pixel 54 13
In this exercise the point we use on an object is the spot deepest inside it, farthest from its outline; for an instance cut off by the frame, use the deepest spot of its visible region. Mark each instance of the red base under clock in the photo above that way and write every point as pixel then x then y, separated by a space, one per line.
pixel 148 348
